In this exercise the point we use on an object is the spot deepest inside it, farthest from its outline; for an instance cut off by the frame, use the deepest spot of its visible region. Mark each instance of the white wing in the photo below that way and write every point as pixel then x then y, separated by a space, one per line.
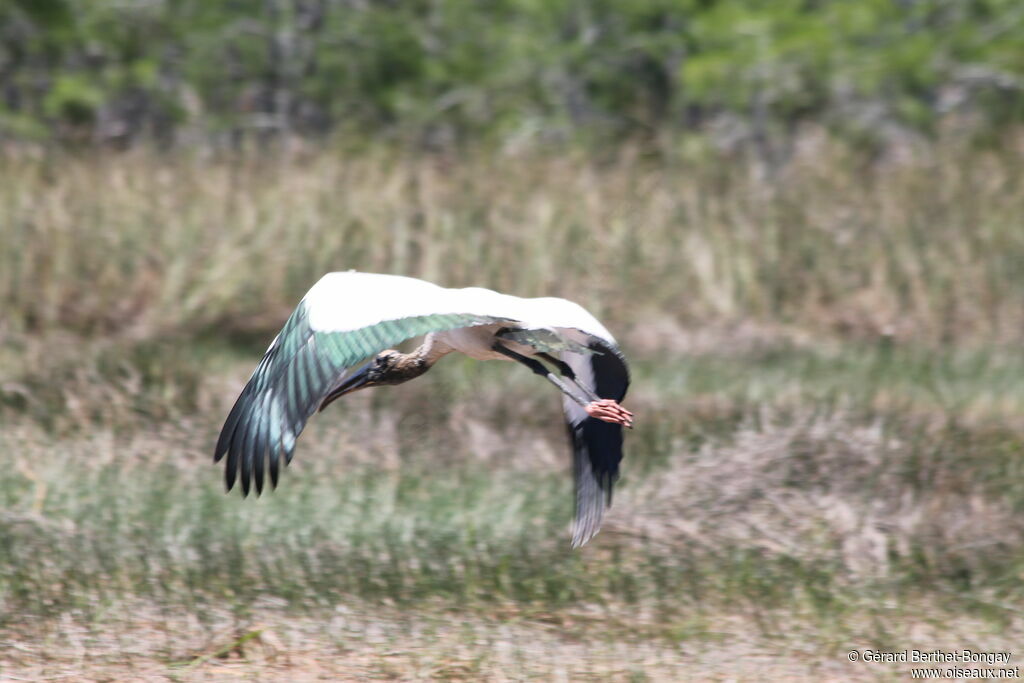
pixel 344 319
pixel 349 301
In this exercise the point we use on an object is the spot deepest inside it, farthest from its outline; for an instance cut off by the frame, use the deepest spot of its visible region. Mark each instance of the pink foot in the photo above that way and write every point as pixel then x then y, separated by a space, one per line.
pixel 610 411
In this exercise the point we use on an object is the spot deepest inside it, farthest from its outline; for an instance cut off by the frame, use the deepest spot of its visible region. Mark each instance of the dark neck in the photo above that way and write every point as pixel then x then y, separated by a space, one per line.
pixel 407 366
pixel 411 365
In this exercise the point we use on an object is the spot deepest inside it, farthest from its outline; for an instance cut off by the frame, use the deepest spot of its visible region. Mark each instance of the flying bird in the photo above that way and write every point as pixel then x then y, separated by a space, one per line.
pixel 338 340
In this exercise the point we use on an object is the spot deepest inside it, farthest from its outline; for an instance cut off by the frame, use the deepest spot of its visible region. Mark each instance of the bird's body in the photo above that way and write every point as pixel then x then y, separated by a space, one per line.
pixel 351 317
pixel 475 342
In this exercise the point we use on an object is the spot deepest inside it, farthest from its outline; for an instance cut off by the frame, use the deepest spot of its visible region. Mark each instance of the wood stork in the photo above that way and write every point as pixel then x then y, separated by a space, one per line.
pixel 349 317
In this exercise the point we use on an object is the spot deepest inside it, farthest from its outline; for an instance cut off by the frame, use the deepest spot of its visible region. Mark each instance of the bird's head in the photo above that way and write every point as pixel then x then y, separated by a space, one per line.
pixel 387 367
pixel 384 368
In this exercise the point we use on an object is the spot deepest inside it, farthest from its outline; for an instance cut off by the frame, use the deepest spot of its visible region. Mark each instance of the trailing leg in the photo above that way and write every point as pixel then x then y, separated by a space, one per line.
pixel 604 409
pixel 568 373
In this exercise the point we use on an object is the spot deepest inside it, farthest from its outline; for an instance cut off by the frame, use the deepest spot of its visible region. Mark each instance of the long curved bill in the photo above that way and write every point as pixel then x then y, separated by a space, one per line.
pixel 359 379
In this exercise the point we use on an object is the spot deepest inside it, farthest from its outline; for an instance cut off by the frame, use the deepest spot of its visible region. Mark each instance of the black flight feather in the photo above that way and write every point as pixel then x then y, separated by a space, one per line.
pixel 597 445
pixel 300 368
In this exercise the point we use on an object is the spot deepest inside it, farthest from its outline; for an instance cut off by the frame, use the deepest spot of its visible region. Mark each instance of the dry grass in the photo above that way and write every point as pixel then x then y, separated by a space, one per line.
pixel 352 643
pixel 826 372
pixel 858 500
pixel 767 551
pixel 923 249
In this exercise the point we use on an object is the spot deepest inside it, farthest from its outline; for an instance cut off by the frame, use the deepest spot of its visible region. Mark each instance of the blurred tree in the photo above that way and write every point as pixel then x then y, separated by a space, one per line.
pixel 444 71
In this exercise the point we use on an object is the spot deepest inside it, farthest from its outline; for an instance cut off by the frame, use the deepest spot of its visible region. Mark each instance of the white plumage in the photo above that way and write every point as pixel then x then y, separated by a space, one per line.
pixel 350 317
pixel 370 298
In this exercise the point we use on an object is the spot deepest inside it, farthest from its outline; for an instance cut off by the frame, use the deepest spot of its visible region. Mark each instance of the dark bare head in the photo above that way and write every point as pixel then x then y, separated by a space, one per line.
pixel 387 367
pixel 394 367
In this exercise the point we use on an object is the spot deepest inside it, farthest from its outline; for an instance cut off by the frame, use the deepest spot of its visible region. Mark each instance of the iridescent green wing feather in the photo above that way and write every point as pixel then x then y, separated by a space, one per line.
pixel 297 372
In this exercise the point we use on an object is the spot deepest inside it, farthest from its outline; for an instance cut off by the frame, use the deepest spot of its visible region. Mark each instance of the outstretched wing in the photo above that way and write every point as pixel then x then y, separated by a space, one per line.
pixel 348 317
pixel 596 445
pixel 306 360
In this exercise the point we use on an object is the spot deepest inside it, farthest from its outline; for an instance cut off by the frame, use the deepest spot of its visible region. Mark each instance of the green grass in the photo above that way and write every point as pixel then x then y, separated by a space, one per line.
pixel 153 520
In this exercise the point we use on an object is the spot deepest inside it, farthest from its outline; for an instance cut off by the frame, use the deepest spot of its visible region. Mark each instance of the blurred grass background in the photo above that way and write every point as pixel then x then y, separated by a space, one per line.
pixel 827 370
pixel 802 221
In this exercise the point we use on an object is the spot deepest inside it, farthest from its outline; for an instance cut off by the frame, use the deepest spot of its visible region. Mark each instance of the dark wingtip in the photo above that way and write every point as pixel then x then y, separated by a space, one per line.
pixel 227 432
pixel 246 475
pixel 259 475
pixel 597 450
pixel 257 468
pixel 273 469
pixel 230 471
